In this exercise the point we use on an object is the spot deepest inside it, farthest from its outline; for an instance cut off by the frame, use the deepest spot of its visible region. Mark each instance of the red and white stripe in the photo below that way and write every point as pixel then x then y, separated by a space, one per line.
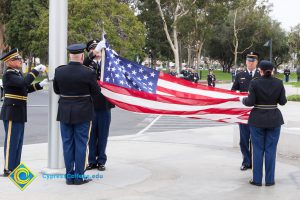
pixel 180 97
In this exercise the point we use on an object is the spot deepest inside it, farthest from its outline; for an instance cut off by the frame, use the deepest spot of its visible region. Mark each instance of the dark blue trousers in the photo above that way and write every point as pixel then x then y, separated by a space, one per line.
pixel 13 143
pixel 75 140
pixel 264 141
pixel 99 135
pixel 287 78
pixel 245 144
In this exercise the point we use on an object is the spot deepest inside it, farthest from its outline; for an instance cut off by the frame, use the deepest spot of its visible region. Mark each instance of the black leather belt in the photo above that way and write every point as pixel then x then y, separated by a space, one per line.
pixel 265 107
pixel 75 96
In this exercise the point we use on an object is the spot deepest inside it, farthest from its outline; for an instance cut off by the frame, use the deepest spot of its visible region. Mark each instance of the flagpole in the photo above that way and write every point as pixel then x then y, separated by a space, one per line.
pixel 271 47
pixel 102 59
pixel 58 23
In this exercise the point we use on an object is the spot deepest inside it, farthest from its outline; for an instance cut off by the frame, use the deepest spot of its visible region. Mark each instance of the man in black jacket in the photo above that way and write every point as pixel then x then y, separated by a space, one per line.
pixel 287 73
pixel 241 84
pixel 14 109
pixel 75 83
pixel 102 119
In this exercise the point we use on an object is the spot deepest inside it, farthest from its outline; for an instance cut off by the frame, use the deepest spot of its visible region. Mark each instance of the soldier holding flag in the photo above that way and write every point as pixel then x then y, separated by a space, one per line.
pixel 14 109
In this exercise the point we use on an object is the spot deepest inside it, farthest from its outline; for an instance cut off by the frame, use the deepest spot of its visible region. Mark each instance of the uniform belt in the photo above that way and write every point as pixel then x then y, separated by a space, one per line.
pixel 14 96
pixel 265 107
pixel 75 96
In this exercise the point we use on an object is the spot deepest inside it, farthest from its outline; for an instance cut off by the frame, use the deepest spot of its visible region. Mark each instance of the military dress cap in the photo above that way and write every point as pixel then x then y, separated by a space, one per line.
pixel 266 65
pixel 92 44
pixel 76 48
pixel 13 54
pixel 252 54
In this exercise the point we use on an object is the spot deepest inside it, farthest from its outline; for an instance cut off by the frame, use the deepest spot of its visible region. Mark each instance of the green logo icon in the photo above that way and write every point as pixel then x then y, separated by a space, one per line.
pixel 22 176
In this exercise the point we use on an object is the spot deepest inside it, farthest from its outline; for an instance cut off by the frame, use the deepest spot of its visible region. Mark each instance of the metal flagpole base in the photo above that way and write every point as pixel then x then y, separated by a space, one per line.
pixel 53 171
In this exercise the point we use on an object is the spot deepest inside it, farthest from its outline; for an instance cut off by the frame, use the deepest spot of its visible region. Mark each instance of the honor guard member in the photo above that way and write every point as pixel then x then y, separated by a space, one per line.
pixel 211 79
pixel 241 84
pixel 14 108
pixel 75 83
pixel 102 119
pixel 195 75
pixel 265 121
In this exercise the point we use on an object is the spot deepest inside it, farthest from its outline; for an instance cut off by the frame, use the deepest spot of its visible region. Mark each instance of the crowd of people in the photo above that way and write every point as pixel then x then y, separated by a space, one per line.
pixel 191 74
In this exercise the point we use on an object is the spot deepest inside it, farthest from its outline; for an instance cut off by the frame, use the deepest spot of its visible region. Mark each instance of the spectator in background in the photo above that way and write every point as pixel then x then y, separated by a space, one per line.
pixel 298 74
pixel 173 71
pixel 233 73
pixel 195 75
pixel 211 78
pixel 184 72
pixel 287 73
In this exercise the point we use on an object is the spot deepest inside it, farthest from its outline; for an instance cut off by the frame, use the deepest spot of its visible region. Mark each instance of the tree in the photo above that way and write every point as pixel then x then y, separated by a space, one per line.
pixel 294 42
pixel 23 23
pixel 27 27
pixel 5 6
pixel 156 39
pixel 176 9
pixel 88 19
pixel 196 26
pixel 245 30
pixel 246 18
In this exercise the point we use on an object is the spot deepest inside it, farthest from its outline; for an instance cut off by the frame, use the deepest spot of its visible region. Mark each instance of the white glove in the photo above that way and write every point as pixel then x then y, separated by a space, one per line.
pixel 40 68
pixel 241 99
pixel 100 45
pixel 44 82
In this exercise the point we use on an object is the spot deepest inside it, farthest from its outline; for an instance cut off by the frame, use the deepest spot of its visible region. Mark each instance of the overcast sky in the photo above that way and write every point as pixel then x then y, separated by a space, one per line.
pixel 287 12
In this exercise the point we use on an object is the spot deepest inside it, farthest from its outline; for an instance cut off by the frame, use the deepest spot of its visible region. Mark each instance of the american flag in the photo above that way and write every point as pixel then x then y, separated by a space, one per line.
pixel 137 88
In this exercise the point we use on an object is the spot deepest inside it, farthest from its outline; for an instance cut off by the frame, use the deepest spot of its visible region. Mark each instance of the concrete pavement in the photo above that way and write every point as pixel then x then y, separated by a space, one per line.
pixel 190 164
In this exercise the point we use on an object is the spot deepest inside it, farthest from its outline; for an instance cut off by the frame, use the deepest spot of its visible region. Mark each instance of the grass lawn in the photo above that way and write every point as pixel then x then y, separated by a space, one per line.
pixel 295 84
pixel 295 97
pixel 220 75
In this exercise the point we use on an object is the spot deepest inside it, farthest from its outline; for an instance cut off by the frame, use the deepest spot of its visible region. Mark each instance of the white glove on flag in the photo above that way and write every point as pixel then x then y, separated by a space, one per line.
pixel 40 68
pixel 44 82
pixel 100 45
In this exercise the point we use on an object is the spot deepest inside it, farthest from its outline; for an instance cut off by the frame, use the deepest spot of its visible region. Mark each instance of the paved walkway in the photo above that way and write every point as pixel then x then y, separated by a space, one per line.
pixel 191 164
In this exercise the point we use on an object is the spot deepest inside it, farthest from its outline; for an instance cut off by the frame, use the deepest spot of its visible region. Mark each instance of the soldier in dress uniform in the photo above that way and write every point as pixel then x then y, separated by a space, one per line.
pixel 195 75
pixel 241 84
pixel 14 108
pixel 265 121
pixel 211 78
pixel 102 119
pixel 75 83
pixel 173 71
pixel 184 72
pixel 189 74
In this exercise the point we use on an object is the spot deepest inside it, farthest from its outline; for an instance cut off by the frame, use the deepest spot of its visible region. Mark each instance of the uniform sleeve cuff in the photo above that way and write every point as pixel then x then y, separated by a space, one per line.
pixel 34 73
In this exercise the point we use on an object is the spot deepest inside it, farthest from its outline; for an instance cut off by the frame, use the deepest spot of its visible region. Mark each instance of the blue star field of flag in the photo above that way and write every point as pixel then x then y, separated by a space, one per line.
pixel 127 74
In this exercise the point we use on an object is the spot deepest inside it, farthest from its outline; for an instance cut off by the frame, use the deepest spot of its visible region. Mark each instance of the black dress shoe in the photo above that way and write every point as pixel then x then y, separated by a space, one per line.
pixel 244 167
pixel 253 183
pixel 81 182
pixel 91 166
pixel 101 167
pixel 270 184
pixel 6 173
pixel 70 181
